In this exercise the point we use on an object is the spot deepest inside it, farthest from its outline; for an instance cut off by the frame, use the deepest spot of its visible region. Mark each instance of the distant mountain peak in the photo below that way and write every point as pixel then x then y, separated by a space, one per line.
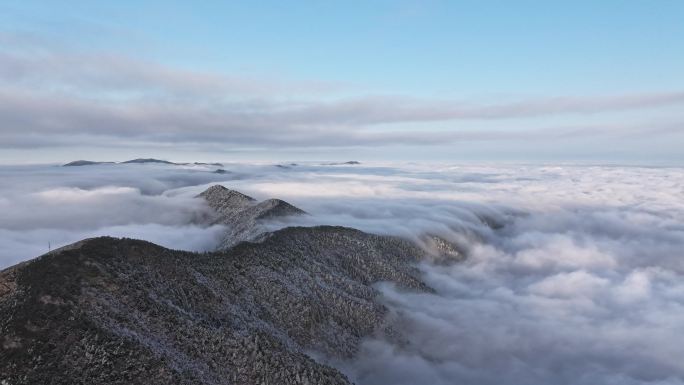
pixel 212 189
pixel 351 162
pixel 221 198
pixel 142 161
pixel 208 164
pixel 148 160
pixel 243 214
pixel 83 163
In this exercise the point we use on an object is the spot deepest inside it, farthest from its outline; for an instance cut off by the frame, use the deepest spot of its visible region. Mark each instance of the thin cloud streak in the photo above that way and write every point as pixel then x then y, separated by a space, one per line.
pixel 31 120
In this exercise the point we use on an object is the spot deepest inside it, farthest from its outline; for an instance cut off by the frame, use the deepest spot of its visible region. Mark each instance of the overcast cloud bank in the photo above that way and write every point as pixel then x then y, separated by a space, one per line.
pixel 58 97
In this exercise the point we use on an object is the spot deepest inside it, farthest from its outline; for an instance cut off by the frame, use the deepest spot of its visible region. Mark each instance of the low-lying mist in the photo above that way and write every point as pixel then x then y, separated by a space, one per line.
pixel 573 274
pixel 49 206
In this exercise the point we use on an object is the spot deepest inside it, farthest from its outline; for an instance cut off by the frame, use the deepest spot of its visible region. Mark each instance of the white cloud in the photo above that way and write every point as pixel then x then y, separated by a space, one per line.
pixel 582 285
pixel 579 282
pixel 56 97
pixel 568 285
pixel 53 206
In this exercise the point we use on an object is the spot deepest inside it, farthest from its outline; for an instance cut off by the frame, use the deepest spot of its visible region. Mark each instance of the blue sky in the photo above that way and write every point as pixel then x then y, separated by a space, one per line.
pixel 286 64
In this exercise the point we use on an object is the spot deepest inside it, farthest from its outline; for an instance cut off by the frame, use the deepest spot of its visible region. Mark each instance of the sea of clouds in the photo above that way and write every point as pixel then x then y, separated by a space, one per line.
pixel 573 275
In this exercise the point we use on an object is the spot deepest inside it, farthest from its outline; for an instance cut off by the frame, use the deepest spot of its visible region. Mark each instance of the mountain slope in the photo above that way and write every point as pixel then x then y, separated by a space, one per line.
pixel 121 311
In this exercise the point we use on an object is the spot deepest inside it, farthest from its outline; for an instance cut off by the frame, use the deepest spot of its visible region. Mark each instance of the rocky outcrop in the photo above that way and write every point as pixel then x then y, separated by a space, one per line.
pixel 442 251
pixel 121 311
pixel 351 162
pixel 242 214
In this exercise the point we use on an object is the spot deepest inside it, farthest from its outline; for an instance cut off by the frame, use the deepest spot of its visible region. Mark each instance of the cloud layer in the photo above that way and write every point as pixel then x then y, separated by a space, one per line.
pixel 573 273
pixel 55 97
pixel 581 285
